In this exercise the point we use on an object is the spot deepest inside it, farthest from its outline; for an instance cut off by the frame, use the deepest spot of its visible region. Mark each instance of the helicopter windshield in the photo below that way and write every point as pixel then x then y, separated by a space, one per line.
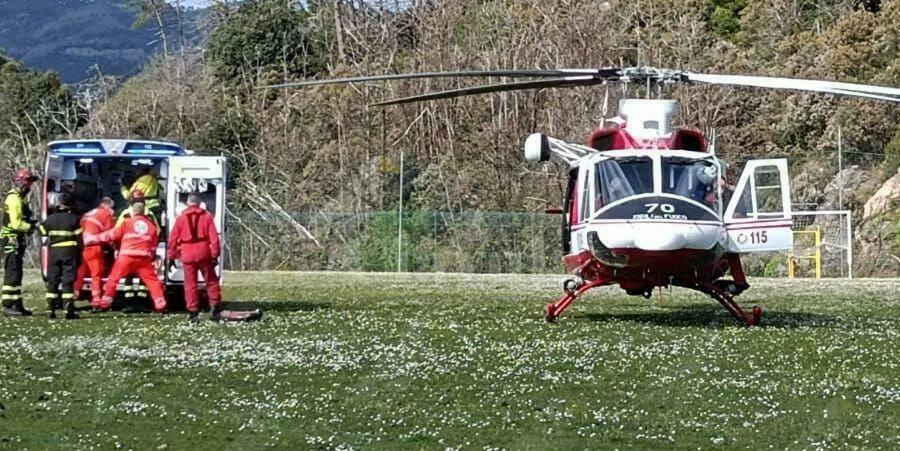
pixel 618 178
pixel 691 178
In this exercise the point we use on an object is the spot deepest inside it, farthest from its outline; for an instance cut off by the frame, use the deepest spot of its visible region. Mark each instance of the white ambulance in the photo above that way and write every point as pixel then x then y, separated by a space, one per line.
pixel 94 168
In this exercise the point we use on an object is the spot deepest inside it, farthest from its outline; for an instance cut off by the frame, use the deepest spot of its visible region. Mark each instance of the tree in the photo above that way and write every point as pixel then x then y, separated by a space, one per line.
pixel 264 36
pixel 725 16
pixel 153 11
pixel 34 107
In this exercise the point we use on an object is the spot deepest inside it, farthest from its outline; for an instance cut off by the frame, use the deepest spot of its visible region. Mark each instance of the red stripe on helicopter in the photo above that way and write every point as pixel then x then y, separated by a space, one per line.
pixel 734 226
pixel 655 221
pixel 640 221
pixel 759 225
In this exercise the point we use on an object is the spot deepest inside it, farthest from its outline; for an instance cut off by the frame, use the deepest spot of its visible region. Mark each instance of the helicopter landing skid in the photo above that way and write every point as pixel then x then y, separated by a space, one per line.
pixel 552 311
pixel 727 300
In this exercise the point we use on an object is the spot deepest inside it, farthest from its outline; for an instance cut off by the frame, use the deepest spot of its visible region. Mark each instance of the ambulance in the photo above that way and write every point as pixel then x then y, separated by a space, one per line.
pixel 94 168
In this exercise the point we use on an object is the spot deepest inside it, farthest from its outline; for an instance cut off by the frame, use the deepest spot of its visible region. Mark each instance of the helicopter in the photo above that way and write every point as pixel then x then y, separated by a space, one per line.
pixel 647 205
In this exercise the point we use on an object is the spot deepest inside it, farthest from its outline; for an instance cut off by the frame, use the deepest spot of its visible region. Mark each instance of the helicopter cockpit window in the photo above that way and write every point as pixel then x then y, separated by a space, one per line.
pixel 694 179
pixel 618 178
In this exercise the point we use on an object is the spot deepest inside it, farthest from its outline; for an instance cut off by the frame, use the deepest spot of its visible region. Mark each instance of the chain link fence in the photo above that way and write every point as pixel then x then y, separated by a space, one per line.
pixel 477 242
pixel 468 242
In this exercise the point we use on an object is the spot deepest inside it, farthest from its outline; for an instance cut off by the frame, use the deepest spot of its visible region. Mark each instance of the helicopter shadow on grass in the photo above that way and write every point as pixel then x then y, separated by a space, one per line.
pixel 278 306
pixel 705 316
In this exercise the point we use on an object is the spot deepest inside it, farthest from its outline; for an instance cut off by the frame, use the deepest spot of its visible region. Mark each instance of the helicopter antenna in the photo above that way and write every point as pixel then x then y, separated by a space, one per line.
pixel 605 110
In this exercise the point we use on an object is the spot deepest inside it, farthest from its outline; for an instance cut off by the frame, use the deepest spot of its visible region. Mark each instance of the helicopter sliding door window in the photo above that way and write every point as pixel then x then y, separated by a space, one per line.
pixel 568 209
pixel 620 178
pixel 758 217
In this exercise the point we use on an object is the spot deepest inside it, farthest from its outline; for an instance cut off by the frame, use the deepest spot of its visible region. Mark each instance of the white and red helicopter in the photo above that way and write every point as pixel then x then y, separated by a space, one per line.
pixel 647 204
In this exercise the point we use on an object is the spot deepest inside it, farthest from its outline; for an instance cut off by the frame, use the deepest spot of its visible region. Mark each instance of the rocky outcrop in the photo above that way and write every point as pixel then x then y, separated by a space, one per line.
pixel 878 234
pixel 884 200
pixel 875 210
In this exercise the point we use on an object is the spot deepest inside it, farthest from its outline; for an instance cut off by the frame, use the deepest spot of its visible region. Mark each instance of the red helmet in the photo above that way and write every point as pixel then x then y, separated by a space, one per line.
pixel 25 177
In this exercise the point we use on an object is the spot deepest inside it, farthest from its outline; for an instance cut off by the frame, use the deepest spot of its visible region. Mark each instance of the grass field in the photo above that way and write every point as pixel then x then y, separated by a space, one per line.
pixel 386 361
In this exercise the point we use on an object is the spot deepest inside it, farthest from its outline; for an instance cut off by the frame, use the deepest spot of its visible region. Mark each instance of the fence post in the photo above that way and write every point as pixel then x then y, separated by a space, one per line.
pixel 400 217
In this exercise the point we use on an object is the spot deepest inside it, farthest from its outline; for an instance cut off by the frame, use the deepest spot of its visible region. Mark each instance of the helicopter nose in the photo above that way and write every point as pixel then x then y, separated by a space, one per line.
pixel 658 237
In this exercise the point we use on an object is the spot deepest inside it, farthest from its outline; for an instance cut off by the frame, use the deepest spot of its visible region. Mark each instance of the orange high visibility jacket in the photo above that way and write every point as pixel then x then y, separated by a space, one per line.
pixel 97 220
pixel 137 237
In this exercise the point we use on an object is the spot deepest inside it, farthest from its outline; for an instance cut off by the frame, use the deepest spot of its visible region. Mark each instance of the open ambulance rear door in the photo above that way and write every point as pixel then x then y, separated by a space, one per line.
pixel 53 171
pixel 204 176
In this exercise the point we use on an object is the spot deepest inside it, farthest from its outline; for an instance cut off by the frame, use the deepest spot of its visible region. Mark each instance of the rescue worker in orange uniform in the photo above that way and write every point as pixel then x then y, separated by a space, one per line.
pixel 134 292
pixel 138 237
pixel 195 241
pixel 95 222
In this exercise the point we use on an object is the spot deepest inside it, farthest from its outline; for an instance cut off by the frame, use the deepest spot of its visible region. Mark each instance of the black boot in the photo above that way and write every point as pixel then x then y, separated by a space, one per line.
pixel 71 313
pixel 53 305
pixel 16 309
pixel 11 311
pixel 132 306
pixel 215 313
pixel 25 311
pixel 193 317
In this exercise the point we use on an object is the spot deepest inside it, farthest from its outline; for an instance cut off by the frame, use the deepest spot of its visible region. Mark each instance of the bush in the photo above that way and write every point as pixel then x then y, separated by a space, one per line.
pixel 892 156
pixel 377 247
pixel 266 35
pixel 725 17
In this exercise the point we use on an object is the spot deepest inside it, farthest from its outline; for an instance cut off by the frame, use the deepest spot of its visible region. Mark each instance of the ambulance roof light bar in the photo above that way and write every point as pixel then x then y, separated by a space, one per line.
pixel 116 147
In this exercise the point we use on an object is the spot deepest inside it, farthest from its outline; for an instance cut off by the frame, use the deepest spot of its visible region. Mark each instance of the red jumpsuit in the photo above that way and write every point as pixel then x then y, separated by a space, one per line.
pixel 196 242
pixel 94 222
pixel 137 238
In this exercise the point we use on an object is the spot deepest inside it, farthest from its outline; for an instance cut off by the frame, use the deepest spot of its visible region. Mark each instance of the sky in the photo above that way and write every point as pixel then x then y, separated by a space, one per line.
pixel 196 3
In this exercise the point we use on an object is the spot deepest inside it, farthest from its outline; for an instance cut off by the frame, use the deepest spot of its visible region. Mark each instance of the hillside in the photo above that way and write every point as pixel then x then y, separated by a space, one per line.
pixel 71 36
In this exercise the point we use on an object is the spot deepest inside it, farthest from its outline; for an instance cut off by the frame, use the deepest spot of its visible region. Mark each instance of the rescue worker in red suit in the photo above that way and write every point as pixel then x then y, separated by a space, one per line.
pixel 95 222
pixel 195 241
pixel 135 293
pixel 138 237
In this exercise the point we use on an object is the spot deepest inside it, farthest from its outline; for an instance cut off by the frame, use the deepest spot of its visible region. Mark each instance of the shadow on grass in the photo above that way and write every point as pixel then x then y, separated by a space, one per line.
pixel 704 316
pixel 278 306
pixel 176 307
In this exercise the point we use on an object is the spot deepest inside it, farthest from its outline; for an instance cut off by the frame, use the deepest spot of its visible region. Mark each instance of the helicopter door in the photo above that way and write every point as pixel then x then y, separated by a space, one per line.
pixel 758 216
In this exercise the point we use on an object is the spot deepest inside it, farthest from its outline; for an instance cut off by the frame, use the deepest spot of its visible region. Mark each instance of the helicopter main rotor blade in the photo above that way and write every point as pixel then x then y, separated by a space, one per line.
pixel 535 73
pixel 564 82
pixel 799 84
pixel 562 78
